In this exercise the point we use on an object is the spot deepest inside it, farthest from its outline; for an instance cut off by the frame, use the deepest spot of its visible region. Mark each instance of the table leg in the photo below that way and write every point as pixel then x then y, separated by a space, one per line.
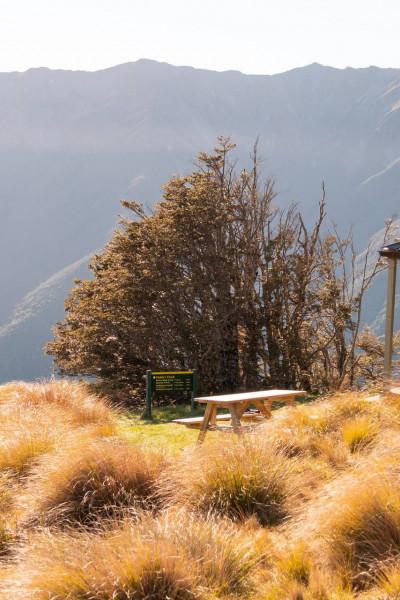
pixel 209 413
pixel 235 418
pixel 213 415
pixel 264 406
pixel 241 408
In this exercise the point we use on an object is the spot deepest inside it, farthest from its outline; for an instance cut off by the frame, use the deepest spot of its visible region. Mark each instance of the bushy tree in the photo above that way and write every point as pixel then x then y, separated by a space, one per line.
pixel 220 279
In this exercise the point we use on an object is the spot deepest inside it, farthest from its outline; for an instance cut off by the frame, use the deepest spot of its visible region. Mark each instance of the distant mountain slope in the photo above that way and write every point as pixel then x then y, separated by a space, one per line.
pixel 22 338
pixel 72 144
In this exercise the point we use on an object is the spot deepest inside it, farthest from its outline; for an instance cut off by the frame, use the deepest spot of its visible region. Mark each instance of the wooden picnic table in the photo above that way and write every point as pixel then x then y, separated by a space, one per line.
pixel 237 404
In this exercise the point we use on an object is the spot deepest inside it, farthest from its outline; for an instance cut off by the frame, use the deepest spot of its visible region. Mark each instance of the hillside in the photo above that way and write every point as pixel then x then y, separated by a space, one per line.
pixel 96 504
pixel 74 143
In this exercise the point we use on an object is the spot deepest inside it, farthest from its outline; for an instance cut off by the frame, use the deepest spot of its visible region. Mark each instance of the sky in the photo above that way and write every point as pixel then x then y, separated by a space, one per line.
pixel 252 36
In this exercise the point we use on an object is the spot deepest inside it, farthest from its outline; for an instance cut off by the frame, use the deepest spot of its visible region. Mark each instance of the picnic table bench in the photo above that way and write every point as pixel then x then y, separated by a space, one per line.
pixel 237 405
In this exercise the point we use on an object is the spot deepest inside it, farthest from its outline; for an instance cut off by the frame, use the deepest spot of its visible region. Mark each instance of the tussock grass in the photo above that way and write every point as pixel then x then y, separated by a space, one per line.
pixel 226 555
pixel 19 452
pixel 90 480
pixel 347 406
pixel 364 529
pixel 306 508
pixel 34 418
pixel 296 565
pixel 359 433
pixel 305 443
pixel 24 436
pixel 234 479
pixel 79 406
pixel 7 516
pixel 389 582
pixel 172 557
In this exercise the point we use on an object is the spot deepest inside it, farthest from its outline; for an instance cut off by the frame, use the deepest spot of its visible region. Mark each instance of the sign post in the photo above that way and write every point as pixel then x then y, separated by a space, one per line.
pixel 149 395
pixel 194 388
pixel 169 383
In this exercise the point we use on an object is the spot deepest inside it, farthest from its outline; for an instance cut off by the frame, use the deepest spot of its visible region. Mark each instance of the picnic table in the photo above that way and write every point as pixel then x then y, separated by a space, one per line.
pixel 237 405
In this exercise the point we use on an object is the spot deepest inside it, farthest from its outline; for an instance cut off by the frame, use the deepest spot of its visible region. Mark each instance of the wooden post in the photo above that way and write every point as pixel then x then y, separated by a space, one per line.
pixel 390 302
pixel 206 420
pixel 194 388
pixel 149 396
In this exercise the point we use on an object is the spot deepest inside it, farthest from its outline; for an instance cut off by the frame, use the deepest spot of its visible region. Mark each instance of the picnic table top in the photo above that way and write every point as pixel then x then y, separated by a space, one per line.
pixel 248 396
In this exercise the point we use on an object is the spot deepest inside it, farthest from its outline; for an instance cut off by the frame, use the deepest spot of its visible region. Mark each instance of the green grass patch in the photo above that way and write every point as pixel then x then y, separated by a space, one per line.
pixel 161 432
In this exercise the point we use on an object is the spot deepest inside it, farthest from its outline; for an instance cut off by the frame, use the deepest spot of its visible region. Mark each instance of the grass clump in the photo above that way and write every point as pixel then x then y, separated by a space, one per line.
pixel 389 582
pixel 364 530
pixel 90 480
pixel 81 408
pixel 7 517
pixel 167 558
pixel 35 417
pixel 25 434
pixel 296 565
pixel 227 556
pixel 232 478
pixel 359 433
pixel 20 452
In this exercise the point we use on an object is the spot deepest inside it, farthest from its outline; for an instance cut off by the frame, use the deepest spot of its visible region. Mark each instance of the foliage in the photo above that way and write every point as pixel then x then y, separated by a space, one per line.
pixel 220 279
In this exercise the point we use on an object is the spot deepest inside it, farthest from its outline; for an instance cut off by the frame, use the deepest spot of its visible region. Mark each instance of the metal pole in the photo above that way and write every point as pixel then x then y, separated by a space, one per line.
pixel 149 395
pixel 391 295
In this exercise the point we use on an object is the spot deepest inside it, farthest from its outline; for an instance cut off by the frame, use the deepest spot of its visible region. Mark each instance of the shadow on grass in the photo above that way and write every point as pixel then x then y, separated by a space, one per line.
pixel 166 414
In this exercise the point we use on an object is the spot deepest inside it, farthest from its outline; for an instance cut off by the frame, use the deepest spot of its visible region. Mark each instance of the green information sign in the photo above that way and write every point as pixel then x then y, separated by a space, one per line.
pixel 163 382
pixel 169 383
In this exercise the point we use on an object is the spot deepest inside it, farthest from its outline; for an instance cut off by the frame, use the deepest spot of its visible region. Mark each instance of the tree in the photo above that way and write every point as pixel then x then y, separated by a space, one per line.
pixel 220 279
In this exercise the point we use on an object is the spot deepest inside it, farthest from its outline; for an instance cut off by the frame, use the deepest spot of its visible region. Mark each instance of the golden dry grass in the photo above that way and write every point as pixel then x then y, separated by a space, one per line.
pixel 233 480
pixel 305 508
pixel 89 479
pixel 172 557
pixel 364 530
pixel 35 417
pixel 79 406
pixel 36 420
pixel 359 433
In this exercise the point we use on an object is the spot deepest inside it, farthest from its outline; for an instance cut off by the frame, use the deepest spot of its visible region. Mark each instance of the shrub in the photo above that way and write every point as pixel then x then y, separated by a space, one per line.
pixel 90 480
pixel 156 558
pixel 364 529
pixel 234 479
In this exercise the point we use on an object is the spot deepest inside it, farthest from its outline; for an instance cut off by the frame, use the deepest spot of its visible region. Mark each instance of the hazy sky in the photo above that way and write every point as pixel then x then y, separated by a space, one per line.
pixel 254 36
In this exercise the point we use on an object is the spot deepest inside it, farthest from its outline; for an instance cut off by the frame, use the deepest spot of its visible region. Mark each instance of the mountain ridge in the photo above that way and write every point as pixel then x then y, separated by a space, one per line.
pixel 74 143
